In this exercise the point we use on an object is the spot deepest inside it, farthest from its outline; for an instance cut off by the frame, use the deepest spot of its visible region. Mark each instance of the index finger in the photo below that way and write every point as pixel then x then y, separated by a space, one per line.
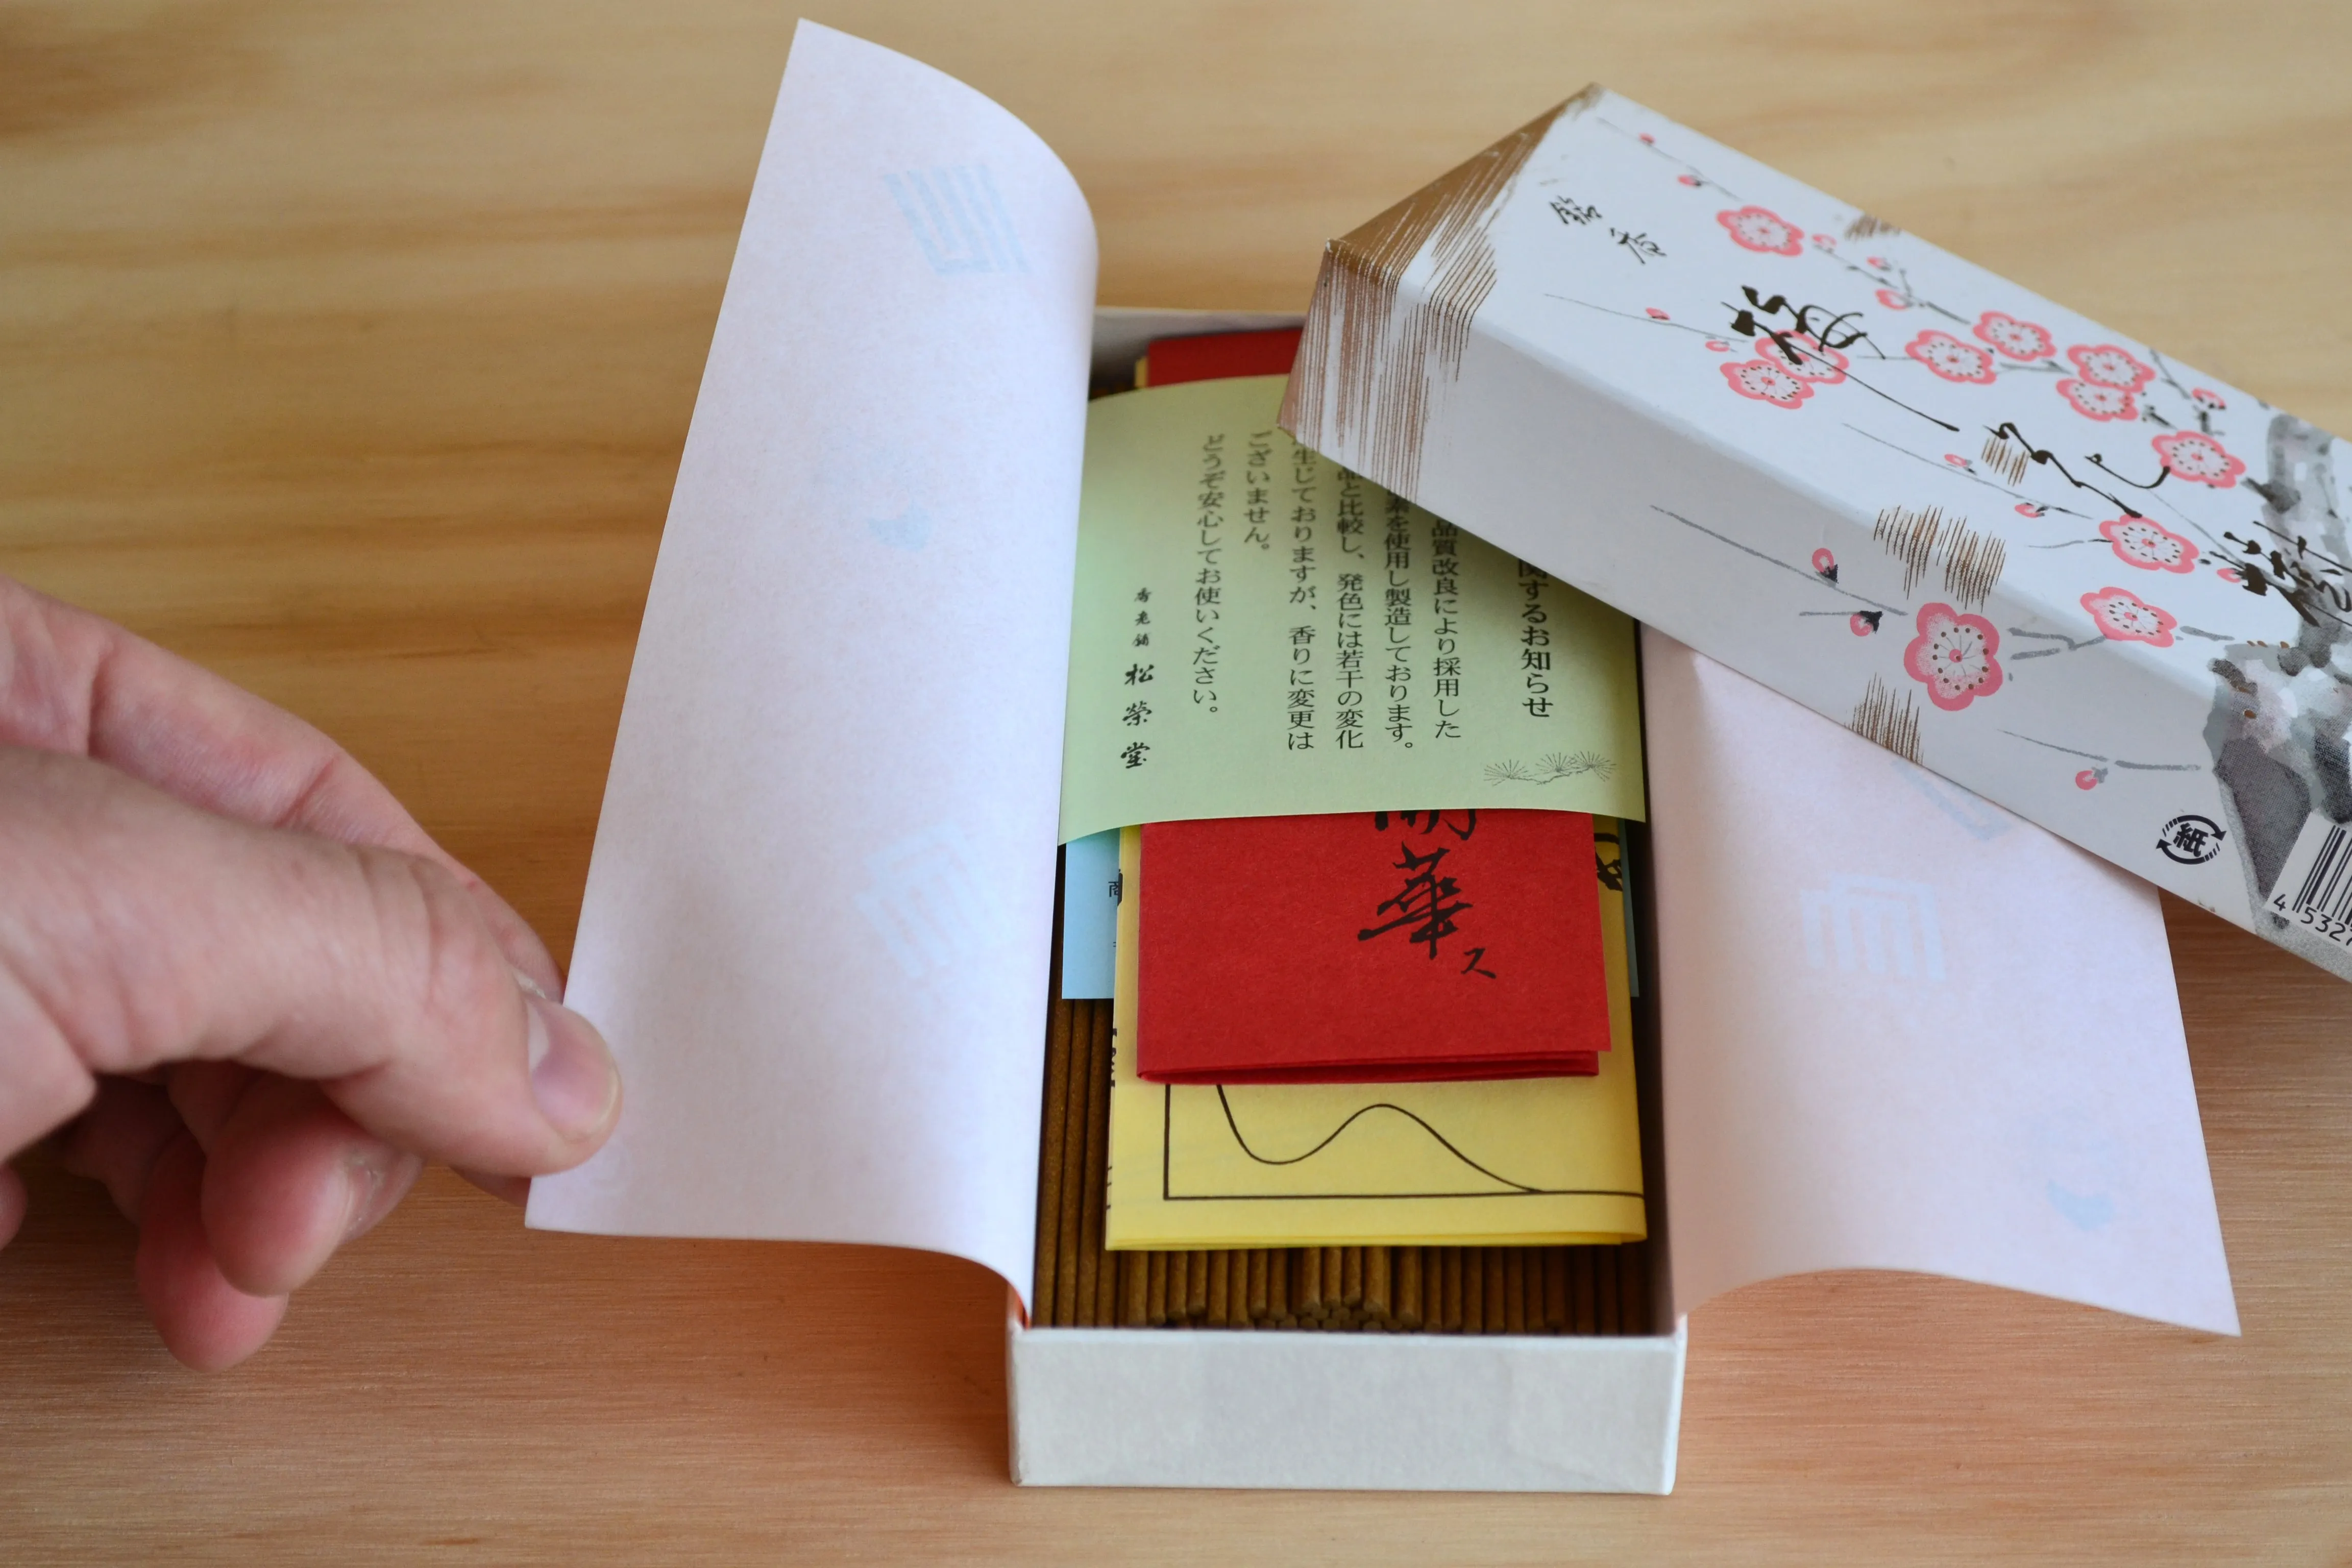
pixel 136 930
pixel 75 682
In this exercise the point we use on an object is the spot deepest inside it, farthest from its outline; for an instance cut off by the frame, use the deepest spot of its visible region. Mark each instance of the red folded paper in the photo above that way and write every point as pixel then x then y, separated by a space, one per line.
pixel 1217 355
pixel 1369 948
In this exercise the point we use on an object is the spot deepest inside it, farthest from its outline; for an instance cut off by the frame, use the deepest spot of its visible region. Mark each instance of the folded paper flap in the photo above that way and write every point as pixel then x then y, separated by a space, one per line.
pixel 818 917
pixel 2049 563
pixel 1903 1029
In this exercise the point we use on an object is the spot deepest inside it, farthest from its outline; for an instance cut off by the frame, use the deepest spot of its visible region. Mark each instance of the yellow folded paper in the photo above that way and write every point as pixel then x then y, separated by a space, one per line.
pixel 1520 1162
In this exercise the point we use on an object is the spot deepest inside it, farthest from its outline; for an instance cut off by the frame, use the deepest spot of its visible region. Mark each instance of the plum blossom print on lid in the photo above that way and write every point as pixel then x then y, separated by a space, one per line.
pixel 2149 544
pixel 1760 379
pixel 1950 358
pixel 1811 360
pixel 2192 455
pixel 2018 340
pixel 2096 400
pixel 1760 228
pixel 1953 657
pixel 2123 616
pixel 2105 364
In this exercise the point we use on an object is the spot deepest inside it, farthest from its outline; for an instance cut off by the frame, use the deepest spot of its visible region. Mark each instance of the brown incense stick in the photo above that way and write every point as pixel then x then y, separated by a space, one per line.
pixel 1408 1289
pixel 1496 1309
pixel 1604 1288
pixel 1155 1288
pixel 1075 1121
pixel 1050 1158
pixel 1134 1290
pixel 1451 1320
pixel 1106 1273
pixel 1586 1316
pixel 1087 1306
pixel 1309 1290
pixel 1633 1270
pixel 1515 1288
pixel 1474 1289
pixel 1555 1289
pixel 1220 1287
pixel 1378 1308
pixel 1196 1287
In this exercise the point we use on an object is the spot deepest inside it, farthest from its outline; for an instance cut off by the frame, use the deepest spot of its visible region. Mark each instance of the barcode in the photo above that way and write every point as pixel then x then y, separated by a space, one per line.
pixel 2315 886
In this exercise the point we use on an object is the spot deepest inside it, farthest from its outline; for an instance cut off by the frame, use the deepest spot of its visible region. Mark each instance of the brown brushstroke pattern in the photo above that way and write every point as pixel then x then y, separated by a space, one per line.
pixel 1910 537
pixel 1972 561
pixel 1888 721
pixel 1382 353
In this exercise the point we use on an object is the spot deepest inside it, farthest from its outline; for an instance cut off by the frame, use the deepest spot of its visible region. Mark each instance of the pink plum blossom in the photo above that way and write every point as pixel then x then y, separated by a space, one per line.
pixel 1760 228
pixel 2195 455
pixel 1953 657
pixel 1812 362
pixel 2096 400
pixel 1767 382
pixel 1950 358
pixel 2123 616
pixel 2111 366
pixel 2149 544
pixel 2018 340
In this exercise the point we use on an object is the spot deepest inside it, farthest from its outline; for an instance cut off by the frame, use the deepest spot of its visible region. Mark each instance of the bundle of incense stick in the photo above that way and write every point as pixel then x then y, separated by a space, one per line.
pixel 1373 1290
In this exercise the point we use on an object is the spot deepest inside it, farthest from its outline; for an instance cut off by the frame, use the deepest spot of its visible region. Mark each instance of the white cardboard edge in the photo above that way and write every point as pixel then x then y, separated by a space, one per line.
pixel 1353 1412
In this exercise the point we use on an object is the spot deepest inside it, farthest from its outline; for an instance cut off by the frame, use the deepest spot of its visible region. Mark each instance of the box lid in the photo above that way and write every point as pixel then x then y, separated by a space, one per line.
pixel 2044 560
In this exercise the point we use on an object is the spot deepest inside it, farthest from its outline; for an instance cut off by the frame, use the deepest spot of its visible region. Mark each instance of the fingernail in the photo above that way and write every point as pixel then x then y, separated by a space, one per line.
pixel 572 1072
pixel 531 987
pixel 368 1172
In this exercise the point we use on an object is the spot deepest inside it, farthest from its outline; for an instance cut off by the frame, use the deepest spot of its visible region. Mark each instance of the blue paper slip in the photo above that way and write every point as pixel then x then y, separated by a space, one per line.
pixel 1089 916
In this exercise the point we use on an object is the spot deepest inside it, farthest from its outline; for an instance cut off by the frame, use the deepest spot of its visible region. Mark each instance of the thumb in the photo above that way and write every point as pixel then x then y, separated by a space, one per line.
pixel 136 930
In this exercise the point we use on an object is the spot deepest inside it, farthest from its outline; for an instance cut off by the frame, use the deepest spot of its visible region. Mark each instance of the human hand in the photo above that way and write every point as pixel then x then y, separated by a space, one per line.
pixel 265 992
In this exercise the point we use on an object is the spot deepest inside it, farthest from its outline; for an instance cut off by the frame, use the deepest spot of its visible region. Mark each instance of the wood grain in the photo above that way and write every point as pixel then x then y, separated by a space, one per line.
pixel 349 350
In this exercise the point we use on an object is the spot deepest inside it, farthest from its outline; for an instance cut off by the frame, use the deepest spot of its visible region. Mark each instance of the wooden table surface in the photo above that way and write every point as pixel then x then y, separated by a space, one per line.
pixel 349 350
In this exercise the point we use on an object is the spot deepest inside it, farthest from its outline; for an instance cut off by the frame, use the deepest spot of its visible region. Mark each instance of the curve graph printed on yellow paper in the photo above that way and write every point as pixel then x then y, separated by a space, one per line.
pixel 1241 1138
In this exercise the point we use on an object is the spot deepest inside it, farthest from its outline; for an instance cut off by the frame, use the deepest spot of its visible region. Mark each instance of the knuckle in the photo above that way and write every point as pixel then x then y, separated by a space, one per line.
pixel 445 966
